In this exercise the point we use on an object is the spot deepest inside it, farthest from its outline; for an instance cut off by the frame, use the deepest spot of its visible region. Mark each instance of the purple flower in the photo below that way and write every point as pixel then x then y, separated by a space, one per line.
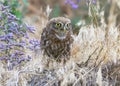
pixel 7 37
pixel 72 3
pixel 29 57
pixel 75 6
pixel 24 59
pixel 5 13
pixel 14 24
pixel 1 46
pixel 13 32
pixel 35 44
pixel 21 33
pixel 22 45
pixel 4 8
pixel 11 16
pixel 26 35
pixel 10 35
pixel 92 1
pixel 1 27
pixel 17 52
pixel 30 28
pixel 0 17
pixel 3 58
pixel 20 60
pixel 4 47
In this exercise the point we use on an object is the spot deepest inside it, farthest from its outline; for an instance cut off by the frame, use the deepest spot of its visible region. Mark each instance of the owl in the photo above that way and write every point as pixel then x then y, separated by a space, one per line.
pixel 56 38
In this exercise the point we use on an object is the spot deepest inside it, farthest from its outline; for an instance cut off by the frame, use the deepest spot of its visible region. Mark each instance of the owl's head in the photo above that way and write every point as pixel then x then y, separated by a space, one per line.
pixel 61 27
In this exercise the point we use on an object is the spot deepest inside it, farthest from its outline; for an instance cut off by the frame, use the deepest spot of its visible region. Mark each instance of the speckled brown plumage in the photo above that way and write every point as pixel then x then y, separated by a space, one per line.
pixel 56 38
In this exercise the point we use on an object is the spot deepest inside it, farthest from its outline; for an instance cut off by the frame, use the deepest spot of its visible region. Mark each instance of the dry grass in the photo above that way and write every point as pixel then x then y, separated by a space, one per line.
pixel 95 60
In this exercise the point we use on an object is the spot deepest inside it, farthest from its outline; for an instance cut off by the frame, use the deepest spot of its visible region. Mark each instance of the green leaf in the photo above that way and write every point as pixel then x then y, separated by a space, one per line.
pixel 25 2
pixel 17 13
pixel 75 20
pixel 5 2
pixel 56 11
pixel 14 3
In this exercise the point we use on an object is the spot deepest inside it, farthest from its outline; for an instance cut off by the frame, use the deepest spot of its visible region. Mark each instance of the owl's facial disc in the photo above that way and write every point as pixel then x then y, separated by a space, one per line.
pixel 61 30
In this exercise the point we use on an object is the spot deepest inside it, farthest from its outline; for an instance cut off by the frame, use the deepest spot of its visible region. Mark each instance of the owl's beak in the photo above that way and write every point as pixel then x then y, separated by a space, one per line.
pixel 62 33
pixel 63 30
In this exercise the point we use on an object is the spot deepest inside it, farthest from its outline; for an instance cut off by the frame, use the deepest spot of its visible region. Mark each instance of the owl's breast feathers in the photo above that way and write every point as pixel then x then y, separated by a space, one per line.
pixel 54 47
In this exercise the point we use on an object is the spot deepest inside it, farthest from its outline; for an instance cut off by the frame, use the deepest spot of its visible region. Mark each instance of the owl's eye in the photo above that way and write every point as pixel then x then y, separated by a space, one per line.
pixel 68 26
pixel 58 25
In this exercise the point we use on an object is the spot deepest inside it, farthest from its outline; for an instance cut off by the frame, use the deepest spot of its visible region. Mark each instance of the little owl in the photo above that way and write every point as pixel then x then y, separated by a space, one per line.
pixel 56 38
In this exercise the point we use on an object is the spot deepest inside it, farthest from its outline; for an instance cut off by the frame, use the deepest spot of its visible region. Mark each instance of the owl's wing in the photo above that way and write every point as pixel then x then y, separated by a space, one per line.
pixel 44 39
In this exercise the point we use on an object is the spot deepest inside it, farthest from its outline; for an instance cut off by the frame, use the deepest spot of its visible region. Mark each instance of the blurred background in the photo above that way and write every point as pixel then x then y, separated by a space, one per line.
pixel 76 10
pixel 64 8
pixel 81 12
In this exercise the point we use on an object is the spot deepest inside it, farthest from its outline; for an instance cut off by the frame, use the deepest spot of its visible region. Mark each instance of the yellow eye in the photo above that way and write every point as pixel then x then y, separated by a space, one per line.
pixel 58 25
